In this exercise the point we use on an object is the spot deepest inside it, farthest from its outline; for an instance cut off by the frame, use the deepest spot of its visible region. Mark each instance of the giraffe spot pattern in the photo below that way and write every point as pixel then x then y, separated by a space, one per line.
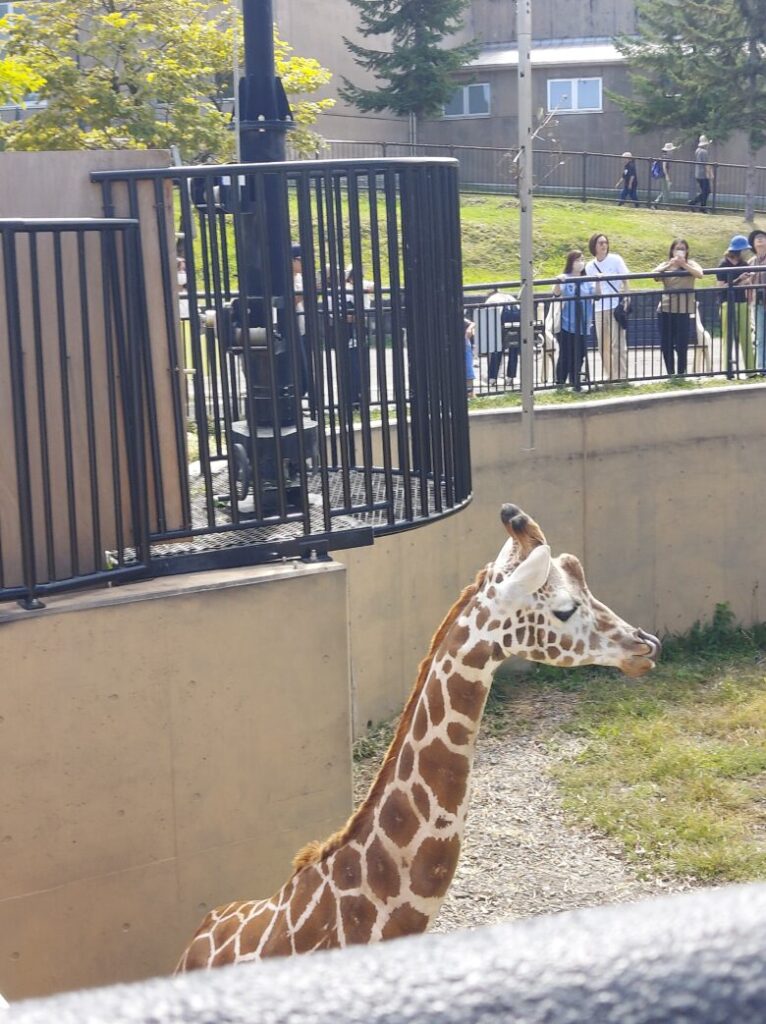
pixel 277 944
pixel 566 643
pixel 404 920
pixel 422 801
pixel 347 868
pixel 358 915
pixel 445 773
pixel 433 866
pixel 406 762
pixel 481 617
pixel 479 655
pixel 466 697
pixel 318 930
pixel 225 930
pixel 397 818
pixel 458 733
pixel 306 884
pixel 494 624
pixel 459 636
pixel 382 873
pixel 420 725
pixel 435 700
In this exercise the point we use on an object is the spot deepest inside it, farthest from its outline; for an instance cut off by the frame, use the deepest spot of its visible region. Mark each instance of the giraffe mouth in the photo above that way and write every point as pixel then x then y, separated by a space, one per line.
pixel 641 662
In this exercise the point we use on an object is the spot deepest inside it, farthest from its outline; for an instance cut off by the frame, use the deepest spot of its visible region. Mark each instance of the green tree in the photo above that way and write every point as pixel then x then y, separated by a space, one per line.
pixel 117 74
pixel 700 65
pixel 416 74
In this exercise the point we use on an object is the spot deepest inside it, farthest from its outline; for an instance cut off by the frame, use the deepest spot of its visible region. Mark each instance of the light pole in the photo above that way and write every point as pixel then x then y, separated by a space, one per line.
pixel 524 36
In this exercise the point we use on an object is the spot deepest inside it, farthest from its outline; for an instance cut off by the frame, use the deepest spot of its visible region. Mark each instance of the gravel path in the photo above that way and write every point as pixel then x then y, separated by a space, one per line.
pixel 520 856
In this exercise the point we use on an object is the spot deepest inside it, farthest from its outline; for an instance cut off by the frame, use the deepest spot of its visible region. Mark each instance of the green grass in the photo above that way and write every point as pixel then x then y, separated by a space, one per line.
pixel 490 233
pixel 512 399
pixel 673 766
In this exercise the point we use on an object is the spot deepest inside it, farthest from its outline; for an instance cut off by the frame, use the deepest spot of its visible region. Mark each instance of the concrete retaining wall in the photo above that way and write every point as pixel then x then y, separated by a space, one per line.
pixel 663 497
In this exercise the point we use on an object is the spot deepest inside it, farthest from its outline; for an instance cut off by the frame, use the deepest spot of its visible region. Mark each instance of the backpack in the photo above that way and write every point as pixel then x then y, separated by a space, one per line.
pixel 656 170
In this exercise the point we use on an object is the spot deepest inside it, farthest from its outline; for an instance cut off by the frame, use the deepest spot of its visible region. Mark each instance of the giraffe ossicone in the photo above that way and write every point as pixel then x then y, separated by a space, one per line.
pixel 387 871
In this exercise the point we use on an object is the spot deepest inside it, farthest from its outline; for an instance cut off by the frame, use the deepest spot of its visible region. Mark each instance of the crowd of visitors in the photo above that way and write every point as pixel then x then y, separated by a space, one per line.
pixel 591 301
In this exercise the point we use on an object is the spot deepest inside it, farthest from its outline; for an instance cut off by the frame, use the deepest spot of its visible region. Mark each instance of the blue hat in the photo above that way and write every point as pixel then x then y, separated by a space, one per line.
pixel 296 252
pixel 738 243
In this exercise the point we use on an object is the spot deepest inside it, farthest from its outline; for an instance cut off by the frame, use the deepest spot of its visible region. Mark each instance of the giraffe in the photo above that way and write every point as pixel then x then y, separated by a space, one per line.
pixel 386 872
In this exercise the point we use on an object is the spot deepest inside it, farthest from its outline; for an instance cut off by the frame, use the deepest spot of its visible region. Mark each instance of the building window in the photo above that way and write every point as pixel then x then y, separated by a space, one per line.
pixel 469 101
pixel 574 94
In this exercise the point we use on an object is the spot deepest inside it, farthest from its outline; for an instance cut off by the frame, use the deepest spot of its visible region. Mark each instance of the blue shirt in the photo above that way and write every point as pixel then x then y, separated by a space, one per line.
pixel 569 310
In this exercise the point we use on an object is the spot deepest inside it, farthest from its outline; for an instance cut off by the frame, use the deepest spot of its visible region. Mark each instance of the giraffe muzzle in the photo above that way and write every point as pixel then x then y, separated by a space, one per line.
pixel 655 647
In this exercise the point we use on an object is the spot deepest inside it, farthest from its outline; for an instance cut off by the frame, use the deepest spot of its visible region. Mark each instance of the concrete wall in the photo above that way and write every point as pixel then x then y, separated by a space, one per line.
pixel 662 497
pixel 166 747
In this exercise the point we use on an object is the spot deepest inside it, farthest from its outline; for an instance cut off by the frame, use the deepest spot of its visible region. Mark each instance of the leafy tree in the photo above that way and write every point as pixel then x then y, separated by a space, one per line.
pixel 416 74
pixel 700 65
pixel 119 74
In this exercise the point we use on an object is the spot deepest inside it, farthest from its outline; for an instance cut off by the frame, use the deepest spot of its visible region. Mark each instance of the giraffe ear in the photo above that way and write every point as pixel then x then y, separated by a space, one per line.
pixel 529 575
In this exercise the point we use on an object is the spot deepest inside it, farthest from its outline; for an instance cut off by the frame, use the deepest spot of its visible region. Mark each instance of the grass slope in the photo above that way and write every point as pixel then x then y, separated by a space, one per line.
pixel 673 766
pixel 490 233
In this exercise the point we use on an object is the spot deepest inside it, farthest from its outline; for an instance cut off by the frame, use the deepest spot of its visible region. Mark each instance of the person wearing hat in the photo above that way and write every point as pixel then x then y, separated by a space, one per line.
pixel 629 180
pixel 757 242
pixel 661 174
pixel 735 321
pixel 703 172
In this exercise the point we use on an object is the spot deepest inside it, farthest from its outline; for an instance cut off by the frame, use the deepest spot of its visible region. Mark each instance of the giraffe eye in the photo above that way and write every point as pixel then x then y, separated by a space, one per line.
pixel 562 616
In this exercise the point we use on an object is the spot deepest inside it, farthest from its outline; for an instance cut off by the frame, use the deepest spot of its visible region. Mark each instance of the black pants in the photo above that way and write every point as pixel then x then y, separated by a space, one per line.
pixel 704 192
pixel 674 340
pixel 495 359
pixel 571 357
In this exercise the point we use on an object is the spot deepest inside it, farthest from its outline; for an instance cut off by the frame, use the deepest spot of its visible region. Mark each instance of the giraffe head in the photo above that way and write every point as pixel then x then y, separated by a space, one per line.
pixel 542 610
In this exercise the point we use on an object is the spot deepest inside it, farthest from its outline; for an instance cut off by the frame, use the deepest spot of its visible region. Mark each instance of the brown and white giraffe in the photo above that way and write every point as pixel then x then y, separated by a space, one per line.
pixel 386 872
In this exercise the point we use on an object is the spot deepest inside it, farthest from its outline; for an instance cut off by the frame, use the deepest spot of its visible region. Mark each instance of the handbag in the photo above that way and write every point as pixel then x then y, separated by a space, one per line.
pixel 623 307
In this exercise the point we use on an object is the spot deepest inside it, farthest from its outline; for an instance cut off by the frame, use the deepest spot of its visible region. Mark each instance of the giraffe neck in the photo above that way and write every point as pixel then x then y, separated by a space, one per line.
pixel 406 835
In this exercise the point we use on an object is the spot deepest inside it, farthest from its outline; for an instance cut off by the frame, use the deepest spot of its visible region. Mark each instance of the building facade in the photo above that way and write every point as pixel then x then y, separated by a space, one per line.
pixel 575 66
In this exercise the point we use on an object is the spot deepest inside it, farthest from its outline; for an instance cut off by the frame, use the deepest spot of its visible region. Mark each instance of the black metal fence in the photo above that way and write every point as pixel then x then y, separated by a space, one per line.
pixel 567 173
pixel 72 504
pixel 715 330
pixel 220 399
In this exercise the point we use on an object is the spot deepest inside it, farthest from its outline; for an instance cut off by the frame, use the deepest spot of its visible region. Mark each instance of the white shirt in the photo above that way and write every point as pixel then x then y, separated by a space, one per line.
pixel 610 290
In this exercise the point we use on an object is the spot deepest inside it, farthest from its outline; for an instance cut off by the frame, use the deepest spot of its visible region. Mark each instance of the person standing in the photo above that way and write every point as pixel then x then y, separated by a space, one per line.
pixel 678 309
pixel 662 175
pixel 703 173
pixel 469 330
pixel 576 319
pixel 610 328
pixel 757 241
pixel 629 181
pixel 734 305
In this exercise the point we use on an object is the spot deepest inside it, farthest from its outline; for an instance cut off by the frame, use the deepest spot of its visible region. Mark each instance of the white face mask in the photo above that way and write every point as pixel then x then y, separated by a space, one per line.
pixel 578 266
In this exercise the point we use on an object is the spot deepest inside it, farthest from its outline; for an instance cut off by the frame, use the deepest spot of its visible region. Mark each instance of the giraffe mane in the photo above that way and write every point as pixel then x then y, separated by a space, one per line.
pixel 316 851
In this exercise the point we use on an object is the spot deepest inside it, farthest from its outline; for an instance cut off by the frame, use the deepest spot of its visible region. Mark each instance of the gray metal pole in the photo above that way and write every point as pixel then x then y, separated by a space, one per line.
pixel 524 35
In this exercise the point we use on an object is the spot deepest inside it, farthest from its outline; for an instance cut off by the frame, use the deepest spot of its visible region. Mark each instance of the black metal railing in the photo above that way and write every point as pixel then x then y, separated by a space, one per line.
pixel 715 330
pixel 571 173
pixel 72 505
pixel 320 402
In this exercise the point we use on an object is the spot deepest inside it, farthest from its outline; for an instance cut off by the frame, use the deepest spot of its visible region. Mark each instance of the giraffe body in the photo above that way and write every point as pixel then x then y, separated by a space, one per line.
pixel 386 873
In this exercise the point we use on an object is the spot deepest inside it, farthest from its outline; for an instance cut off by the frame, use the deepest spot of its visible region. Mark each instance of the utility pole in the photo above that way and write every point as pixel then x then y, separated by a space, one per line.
pixel 524 36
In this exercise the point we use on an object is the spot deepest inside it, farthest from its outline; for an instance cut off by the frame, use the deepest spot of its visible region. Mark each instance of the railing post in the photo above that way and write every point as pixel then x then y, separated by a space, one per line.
pixel 21 440
pixel 585 177
pixel 715 188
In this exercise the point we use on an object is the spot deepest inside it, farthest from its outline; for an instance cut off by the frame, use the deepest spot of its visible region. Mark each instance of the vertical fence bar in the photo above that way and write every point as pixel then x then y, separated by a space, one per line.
pixel 20 434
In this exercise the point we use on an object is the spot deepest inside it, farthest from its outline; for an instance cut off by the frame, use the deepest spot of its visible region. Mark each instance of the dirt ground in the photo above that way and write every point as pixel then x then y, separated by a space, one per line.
pixel 521 857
